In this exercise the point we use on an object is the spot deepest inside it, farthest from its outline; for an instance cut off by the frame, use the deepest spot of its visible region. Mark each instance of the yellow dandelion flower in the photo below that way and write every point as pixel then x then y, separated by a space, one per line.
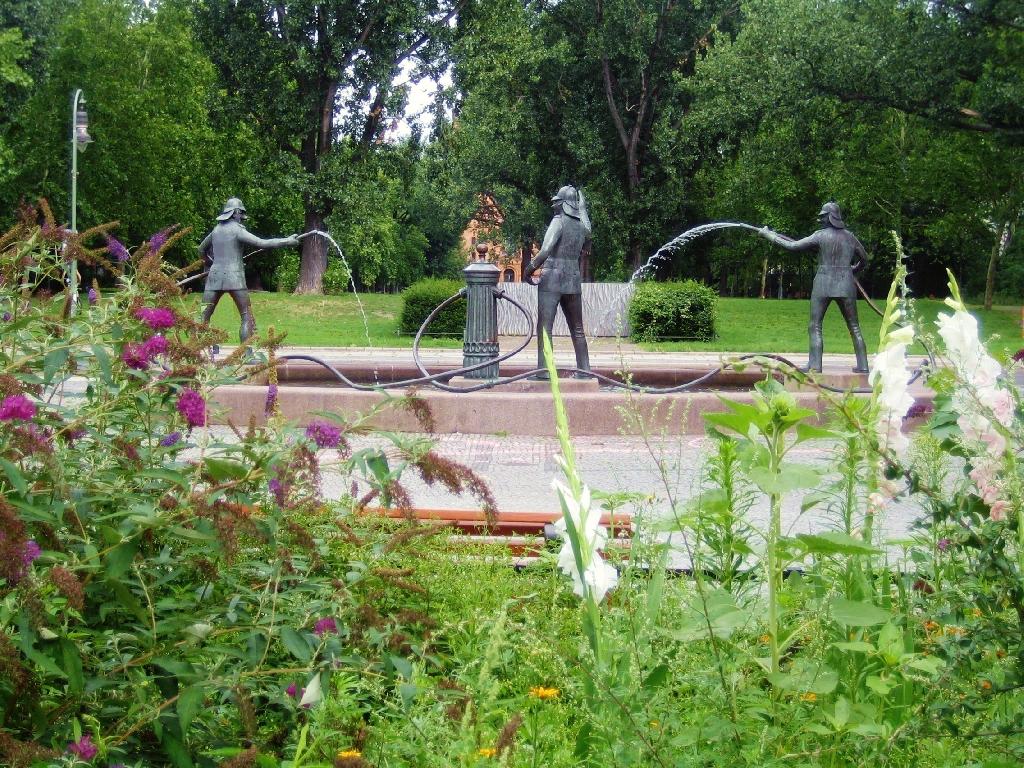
pixel 487 752
pixel 809 696
pixel 348 754
pixel 765 639
pixel 986 685
pixel 542 693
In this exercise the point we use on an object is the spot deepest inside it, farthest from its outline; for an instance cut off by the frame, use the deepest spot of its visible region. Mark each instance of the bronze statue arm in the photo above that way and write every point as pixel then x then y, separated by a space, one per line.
pixel 550 241
pixel 249 238
pixel 206 244
pixel 862 256
pixel 806 244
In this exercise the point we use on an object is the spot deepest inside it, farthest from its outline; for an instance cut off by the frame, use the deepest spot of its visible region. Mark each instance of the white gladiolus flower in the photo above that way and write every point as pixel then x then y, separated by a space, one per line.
pixel 598 576
pixel 313 693
pixel 959 332
pixel 979 399
pixel 889 371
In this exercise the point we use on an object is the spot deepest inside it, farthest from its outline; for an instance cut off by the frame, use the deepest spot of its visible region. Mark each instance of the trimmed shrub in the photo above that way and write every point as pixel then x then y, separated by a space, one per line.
pixel 286 275
pixel 680 310
pixel 420 299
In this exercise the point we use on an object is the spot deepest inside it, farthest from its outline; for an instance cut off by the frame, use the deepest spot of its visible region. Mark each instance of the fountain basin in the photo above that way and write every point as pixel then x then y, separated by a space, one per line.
pixel 498 411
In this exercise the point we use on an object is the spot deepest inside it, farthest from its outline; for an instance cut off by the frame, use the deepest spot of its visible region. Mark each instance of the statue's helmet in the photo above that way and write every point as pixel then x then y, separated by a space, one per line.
pixel 569 201
pixel 830 212
pixel 233 204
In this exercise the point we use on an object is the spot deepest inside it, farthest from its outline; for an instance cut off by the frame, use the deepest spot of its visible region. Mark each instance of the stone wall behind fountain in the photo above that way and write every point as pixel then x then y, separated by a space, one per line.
pixel 605 309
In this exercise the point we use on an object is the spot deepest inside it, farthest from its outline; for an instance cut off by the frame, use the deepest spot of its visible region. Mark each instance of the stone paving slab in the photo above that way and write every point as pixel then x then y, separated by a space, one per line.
pixel 520 470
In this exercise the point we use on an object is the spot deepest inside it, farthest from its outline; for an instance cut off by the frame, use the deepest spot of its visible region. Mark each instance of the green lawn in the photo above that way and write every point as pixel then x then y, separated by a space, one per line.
pixel 759 325
pixel 744 325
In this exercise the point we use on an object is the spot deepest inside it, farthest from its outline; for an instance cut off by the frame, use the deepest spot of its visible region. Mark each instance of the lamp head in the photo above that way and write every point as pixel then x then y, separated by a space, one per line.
pixel 82 137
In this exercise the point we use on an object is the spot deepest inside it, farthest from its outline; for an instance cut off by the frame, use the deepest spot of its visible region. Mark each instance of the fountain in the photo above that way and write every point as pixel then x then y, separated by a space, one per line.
pixel 474 394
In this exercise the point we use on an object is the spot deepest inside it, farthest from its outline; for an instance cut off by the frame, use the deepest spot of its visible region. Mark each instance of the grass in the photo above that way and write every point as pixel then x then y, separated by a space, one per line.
pixel 744 325
pixel 760 325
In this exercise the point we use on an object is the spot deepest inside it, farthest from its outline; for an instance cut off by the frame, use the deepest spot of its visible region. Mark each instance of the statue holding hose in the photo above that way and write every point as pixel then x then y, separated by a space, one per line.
pixel 840 257
pixel 222 251
pixel 568 234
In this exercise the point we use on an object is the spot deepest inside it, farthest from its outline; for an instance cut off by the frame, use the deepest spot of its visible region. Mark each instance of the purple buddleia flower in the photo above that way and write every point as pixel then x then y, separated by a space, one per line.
pixel 324 434
pixel 135 356
pixel 156 317
pixel 292 690
pixel 29 552
pixel 168 440
pixel 116 249
pixel 156 242
pixel 154 345
pixel 7 317
pixel 277 489
pixel 192 406
pixel 83 749
pixel 268 407
pixel 325 626
pixel 919 409
pixel 93 296
pixel 943 544
pixel 17 407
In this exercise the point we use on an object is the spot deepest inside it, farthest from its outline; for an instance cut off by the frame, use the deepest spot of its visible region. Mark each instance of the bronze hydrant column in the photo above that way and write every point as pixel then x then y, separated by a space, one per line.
pixel 480 340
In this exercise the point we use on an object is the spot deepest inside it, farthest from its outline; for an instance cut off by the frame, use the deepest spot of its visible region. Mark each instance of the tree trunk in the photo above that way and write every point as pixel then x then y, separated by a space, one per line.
pixel 313 262
pixel 999 249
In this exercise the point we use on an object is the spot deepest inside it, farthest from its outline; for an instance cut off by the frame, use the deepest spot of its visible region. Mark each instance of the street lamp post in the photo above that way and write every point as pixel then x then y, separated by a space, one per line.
pixel 79 139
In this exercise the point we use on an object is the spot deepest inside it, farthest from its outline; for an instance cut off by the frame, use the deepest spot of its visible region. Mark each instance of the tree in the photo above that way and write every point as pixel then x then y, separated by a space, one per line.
pixel 319 76
pixel 778 106
pixel 156 159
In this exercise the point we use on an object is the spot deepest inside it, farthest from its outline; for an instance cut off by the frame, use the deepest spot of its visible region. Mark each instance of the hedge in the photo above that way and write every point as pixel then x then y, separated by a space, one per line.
pixel 681 310
pixel 420 299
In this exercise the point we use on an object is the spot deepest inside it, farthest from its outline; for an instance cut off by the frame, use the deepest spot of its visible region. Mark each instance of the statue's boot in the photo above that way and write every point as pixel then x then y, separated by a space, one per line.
pixel 579 345
pixel 814 355
pixel 858 347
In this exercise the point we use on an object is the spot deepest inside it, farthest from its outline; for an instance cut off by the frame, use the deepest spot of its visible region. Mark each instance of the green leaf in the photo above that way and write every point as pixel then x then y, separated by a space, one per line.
pixel 722 615
pixel 53 361
pixel 731 421
pixel 890 644
pixel 879 685
pixel 15 476
pixel 790 477
pixel 72 665
pixel 296 644
pixel 806 677
pixel 118 560
pixel 805 431
pixel 225 469
pixel 835 543
pixel 378 464
pixel 857 614
pixel 813 499
pixel 402 666
pixel 856 646
pixel 408 692
pixel 189 702
pixel 43 661
pixel 927 664
pixel 176 751
pixel 103 361
pixel 168 475
pixel 656 677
